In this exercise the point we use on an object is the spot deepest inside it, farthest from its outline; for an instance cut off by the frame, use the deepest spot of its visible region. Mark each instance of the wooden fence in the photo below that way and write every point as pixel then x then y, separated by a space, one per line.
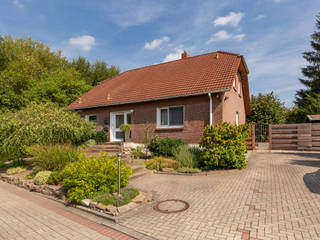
pixel 250 142
pixel 303 136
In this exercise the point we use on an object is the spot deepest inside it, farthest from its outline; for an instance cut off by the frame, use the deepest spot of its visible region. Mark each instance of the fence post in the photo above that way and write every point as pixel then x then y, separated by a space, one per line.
pixel 270 136
pixel 253 136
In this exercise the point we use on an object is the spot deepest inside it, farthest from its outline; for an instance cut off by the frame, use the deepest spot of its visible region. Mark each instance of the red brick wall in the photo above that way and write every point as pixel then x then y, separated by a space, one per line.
pixel 234 103
pixel 196 117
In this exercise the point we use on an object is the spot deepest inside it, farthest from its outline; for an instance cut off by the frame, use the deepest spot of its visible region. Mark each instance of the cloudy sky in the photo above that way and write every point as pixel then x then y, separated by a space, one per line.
pixel 271 34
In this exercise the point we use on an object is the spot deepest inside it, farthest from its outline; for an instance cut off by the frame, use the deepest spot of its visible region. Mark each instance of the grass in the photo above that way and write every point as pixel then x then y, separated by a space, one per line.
pixel 188 170
pixel 109 199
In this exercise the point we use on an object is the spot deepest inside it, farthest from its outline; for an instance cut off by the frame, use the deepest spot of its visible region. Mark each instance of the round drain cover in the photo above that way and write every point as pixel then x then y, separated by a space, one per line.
pixel 171 206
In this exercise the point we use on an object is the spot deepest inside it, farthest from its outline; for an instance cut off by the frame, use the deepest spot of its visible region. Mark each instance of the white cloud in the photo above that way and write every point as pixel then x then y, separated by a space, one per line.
pixel 173 56
pixel 84 42
pixel 260 16
pixel 156 43
pixel 18 4
pixel 224 35
pixel 233 19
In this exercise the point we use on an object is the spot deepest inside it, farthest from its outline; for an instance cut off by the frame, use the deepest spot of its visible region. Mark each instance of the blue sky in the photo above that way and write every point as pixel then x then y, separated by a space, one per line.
pixel 271 34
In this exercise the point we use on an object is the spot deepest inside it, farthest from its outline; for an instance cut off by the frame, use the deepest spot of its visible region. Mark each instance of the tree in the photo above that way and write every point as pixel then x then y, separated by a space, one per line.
pixel 95 73
pixel 307 100
pixel 267 108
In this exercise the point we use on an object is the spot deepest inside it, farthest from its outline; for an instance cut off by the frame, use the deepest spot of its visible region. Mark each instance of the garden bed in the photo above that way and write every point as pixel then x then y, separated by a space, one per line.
pixel 57 192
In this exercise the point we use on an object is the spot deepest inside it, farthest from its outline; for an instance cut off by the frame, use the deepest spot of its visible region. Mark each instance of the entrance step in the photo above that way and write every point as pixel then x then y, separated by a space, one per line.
pixel 139 171
pixel 112 148
pixel 262 146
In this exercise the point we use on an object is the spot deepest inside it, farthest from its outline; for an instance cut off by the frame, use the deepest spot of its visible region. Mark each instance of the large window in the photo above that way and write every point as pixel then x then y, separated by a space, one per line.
pixel 91 118
pixel 170 117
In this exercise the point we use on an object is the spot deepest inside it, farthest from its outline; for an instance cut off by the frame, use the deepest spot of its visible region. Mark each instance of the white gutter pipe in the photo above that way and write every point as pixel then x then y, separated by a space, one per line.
pixel 210 111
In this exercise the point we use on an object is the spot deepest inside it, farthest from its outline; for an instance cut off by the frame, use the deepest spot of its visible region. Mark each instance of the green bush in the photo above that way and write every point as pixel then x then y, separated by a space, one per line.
pixel 126 195
pixel 161 162
pixel 42 177
pixel 15 170
pixel 55 157
pixel 164 146
pixel 17 163
pixel 89 175
pixel 224 146
pixel 101 136
pixel 55 178
pixel 41 124
pixel 187 157
pixel 188 170
pixel 2 164
pixel 137 152
pixel 30 176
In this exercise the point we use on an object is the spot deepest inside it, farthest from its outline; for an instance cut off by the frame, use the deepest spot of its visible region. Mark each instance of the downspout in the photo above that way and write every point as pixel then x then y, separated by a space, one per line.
pixel 210 105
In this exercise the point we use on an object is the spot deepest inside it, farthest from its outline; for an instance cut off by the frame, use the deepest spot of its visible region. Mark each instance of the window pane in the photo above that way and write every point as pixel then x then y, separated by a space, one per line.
pixel 128 118
pixel 163 116
pixel 119 120
pixel 176 116
pixel 119 135
pixel 92 118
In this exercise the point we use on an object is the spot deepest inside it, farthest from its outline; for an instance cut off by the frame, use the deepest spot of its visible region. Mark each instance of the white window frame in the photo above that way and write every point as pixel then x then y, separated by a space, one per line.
pixel 90 115
pixel 239 83
pixel 168 126
pixel 237 118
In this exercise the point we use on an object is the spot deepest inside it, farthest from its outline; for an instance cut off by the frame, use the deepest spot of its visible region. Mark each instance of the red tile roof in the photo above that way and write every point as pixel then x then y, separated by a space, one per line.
pixel 211 72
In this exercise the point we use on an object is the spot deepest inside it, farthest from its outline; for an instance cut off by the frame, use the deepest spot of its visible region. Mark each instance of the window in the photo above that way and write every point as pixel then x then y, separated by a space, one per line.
pixel 170 117
pixel 237 118
pixel 234 84
pixel 239 83
pixel 91 118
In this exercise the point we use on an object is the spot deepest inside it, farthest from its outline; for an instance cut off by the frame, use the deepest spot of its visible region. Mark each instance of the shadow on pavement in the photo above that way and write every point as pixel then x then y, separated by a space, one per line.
pixel 312 181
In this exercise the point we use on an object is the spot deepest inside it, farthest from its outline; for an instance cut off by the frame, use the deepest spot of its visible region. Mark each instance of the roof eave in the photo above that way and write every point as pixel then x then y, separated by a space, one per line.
pixel 150 100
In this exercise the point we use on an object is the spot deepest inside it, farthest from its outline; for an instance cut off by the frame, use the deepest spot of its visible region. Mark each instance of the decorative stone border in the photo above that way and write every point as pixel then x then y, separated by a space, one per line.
pixel 58 193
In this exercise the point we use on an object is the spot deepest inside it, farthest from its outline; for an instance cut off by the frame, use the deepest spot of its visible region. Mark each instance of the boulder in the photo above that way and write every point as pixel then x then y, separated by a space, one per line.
pixel 85 202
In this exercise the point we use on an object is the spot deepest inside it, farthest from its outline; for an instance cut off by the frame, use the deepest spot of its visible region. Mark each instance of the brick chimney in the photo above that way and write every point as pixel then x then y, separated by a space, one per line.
pixel 184 55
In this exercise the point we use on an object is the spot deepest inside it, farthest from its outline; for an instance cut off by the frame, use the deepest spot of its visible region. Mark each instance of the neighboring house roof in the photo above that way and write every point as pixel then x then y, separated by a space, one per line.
pixel 211 72
pixel 313 118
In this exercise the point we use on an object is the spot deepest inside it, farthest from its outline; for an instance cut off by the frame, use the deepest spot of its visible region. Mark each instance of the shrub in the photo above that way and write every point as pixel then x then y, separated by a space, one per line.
pixel 89 175
pixel 188 170
pixel 42 177
pixel 56 157
pixel 90 143
pixel 126 195
pixel 164 147
pixel 15 170
pixel 187 157
pixel 41 124
pixel 55 178
pixel 137 152
pixel 17 163
pixel 224 146
pixel 30 176
pixel 101 136
pixel 2 164
pixel 162 162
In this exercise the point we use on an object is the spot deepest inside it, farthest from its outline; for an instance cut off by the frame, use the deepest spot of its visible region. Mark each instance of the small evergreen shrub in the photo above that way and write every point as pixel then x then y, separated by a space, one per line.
pixel 55 178
pixel 137 152
pixel 187 157
pixel 101 136
pixel 30 176
pixel 164 147
pixel 15 170
pixel 17 163
pixel 2 164
pixel 42 177
pixel 55 157
pixel 224 146
pixel 90 143
pixel 161 162
pixel 90 175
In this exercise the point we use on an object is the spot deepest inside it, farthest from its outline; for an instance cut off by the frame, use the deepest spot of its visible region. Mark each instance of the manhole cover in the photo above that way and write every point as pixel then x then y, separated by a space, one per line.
pixel 171 206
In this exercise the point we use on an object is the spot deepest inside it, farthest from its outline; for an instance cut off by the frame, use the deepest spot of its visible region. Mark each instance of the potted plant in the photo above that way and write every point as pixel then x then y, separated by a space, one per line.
pixel 126 129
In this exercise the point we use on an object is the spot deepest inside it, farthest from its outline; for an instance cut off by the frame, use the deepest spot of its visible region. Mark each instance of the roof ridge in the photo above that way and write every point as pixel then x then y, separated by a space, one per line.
pixel 230 53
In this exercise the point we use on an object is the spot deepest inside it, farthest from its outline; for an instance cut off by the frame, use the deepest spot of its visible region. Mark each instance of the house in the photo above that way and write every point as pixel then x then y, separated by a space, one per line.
pixel 175 99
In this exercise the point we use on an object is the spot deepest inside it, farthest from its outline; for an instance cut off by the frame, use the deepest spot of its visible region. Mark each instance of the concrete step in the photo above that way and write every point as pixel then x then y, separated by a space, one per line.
pixel 140 173
pixel 103 149
pixel 137 168
pixel 98 153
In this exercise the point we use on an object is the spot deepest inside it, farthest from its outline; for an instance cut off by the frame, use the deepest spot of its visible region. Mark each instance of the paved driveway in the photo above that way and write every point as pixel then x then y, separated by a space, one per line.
pixel 276 197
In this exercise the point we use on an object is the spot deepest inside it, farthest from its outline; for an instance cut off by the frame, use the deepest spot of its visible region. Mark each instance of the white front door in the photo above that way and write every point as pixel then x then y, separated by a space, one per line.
pixel 117 119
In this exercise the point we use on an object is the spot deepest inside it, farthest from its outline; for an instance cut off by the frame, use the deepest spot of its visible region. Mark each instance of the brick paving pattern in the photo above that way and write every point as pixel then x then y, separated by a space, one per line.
pixel 276 197
pixel 25 216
